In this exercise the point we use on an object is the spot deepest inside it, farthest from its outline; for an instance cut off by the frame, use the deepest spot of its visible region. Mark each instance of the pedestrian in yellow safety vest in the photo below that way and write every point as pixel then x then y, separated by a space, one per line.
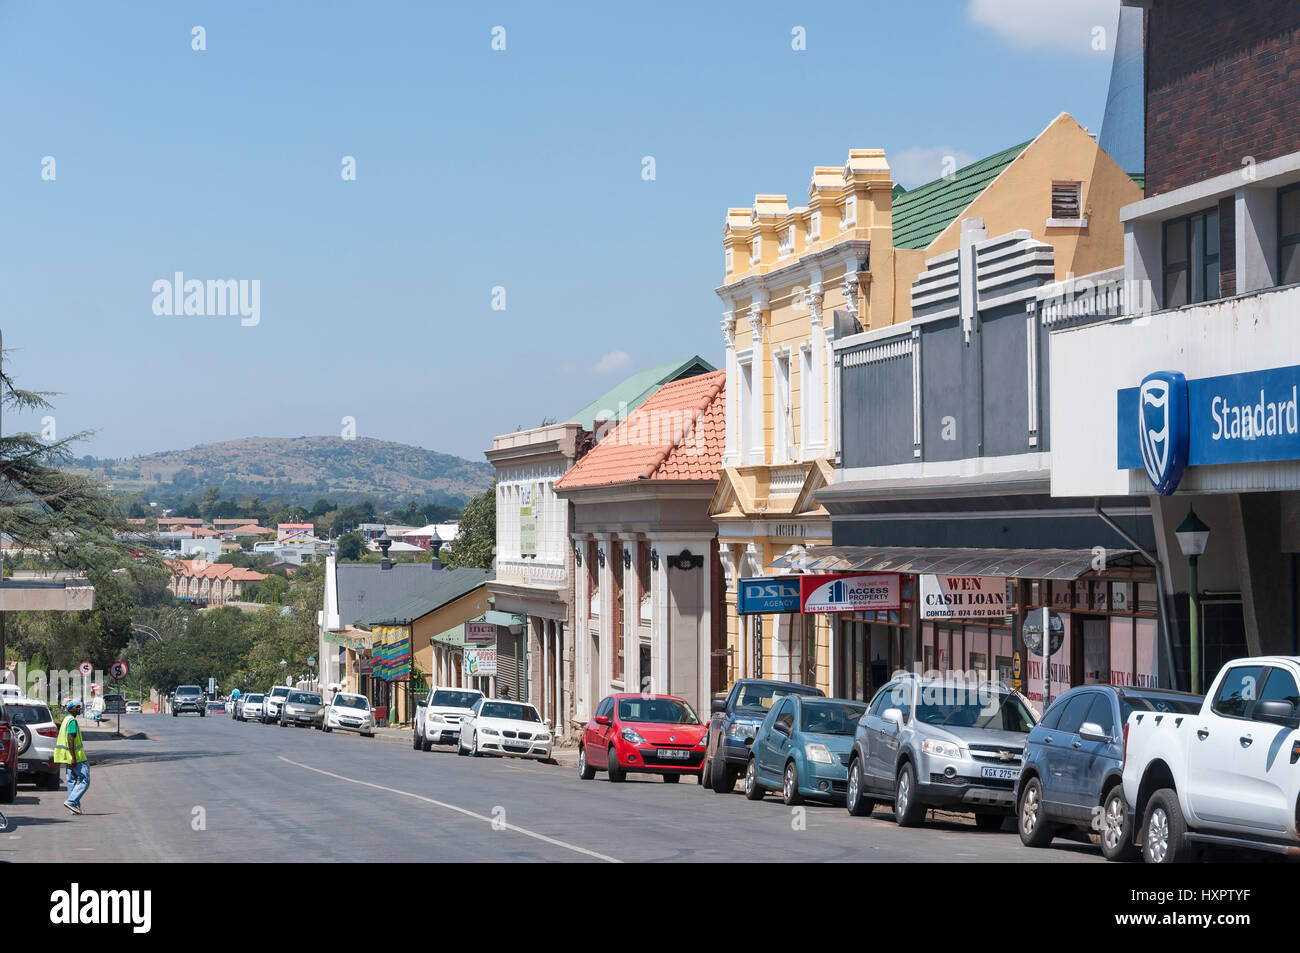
pixel 70 751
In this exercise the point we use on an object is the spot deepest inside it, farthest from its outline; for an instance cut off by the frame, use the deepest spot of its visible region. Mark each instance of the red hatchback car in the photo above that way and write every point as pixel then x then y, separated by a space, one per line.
pixel 642 734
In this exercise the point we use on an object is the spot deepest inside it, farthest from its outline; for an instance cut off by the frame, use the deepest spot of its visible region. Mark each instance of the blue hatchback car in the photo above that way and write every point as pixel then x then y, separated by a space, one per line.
pixel 1074 762
pixel 802 749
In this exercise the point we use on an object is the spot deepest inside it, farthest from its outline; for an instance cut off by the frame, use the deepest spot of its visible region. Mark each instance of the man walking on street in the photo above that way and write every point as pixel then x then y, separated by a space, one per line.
pixel 69 750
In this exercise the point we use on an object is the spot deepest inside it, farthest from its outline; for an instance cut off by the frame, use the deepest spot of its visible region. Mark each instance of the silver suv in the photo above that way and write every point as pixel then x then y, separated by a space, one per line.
pixel 927 743
pixel 189 698
pixel 34 734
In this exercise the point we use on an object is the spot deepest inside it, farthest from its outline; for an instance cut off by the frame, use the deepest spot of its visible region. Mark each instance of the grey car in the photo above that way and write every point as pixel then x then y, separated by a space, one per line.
pixel 302 709
pixel 934 743
pixel 1074 765
pixel 189 698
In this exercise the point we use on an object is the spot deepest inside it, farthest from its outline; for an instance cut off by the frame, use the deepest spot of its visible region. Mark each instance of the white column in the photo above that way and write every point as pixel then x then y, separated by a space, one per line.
pixel 731 456
pixel 756 451
pixel 546 670
pixel 813 389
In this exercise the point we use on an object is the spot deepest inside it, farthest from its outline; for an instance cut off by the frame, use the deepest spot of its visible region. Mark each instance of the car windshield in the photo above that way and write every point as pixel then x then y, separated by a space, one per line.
pixel 351 701
pixel 656 711
pixel 252 698
pixel 304 698
pixel 453 699
pixel 28 714
pixel 758 698
pixel 508 710
pixel 189 690
pixel 279 691
pixel 971 708
pixel 1173 706
pixel 830 718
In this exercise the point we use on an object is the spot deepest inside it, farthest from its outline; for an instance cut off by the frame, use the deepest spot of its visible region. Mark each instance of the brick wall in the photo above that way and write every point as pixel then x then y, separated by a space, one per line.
pixel 1223 82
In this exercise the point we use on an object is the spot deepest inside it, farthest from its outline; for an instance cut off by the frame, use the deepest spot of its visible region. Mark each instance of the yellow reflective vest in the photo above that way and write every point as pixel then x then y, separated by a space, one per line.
pixel 63 753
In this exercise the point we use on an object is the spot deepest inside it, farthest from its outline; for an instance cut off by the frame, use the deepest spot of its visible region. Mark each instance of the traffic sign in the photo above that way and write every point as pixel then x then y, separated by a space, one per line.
pixel 118 670
pixel 1033 633
pixel 85 668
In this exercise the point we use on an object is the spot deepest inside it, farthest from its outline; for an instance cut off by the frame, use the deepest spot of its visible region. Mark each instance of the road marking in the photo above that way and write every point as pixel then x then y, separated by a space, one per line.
pixel 495 822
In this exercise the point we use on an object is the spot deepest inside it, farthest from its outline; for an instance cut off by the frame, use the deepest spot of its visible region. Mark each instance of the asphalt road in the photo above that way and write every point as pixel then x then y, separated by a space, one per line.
pixel 209 789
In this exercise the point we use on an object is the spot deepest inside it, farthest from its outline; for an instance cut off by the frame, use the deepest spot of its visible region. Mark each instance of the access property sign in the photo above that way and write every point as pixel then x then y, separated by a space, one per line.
pixel 850 592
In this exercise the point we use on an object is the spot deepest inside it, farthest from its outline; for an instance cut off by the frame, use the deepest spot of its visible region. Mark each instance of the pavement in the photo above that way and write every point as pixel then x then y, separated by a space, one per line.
pixel 211 789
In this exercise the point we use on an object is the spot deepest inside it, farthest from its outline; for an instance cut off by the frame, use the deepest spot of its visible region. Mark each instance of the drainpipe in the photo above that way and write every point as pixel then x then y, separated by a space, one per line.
pixel 1166 640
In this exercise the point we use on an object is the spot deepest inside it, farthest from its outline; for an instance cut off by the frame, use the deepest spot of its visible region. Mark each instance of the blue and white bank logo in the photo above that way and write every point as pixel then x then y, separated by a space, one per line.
pixel 1163 433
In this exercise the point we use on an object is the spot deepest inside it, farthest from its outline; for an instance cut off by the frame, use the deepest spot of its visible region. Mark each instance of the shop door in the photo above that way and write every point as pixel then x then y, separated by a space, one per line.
pixel 1090 662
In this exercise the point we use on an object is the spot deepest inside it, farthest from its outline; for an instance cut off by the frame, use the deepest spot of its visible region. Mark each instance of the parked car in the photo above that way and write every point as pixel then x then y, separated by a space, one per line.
pixel 348 712
pixel 8 753
pixel 11 692
pixel 303 709
pixel 648 734
pixel 438 716
pixel 496 726
pixel 133 708
pixel 215 708
pixel 734 720
pixel 927 743
pixel 251 707
pixel 35 734
pixel 802 749
pixel 114 703
pixel 1074 763
pixel 189 698
pixel 1226 775
pixel 272 701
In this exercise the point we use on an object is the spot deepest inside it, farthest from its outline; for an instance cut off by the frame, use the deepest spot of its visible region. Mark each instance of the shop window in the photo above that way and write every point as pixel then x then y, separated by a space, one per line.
pixel 1191 259
pixel 1288 235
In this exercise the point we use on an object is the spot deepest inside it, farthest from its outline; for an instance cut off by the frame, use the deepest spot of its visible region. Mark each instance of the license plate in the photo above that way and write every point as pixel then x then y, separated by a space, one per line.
pixel 24 766
pixel 519 745
pixel 673 753
pixel 304 717
pixel 1000 774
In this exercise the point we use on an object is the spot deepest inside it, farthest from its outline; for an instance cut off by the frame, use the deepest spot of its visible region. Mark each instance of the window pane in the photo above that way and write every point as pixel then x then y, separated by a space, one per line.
pixel 1176 242
pixel 1072 717
pixel 1102 714
pixel 1239 688
pixel 1198 259
pixel 1290 224
pixel 1280 687
pixel 1212 233
pixel 1289 265
pixel 1176 288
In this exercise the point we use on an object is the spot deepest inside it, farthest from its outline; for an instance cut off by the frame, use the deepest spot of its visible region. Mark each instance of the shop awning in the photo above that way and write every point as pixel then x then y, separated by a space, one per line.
pixel 959 561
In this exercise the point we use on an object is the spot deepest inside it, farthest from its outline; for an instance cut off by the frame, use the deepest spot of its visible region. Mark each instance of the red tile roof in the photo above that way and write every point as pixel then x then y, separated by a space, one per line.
pixel 678 434
pixel 207 570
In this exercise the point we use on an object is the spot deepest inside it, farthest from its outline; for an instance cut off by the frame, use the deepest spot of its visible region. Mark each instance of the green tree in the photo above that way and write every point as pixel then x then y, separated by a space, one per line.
pixel 350 548
pixel 477 534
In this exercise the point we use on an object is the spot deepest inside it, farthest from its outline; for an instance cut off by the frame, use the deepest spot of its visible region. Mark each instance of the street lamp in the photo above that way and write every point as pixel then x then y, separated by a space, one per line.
pixel 283 664
pixel 1193 537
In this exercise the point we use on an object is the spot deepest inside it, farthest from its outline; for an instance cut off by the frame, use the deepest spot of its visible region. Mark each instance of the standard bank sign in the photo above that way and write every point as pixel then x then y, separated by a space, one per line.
pixel 1169 423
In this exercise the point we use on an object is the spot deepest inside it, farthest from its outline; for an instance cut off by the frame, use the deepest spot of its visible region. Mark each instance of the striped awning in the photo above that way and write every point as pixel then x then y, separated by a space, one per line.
pixel 961 561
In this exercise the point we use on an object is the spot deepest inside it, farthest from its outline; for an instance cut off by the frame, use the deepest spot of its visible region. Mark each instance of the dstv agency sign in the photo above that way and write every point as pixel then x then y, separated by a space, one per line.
pixel 1169 423
pixel 762 594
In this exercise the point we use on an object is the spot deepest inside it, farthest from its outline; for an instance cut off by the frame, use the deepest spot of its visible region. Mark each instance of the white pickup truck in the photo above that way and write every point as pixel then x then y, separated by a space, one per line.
pixel 1227 776
pixel 437 718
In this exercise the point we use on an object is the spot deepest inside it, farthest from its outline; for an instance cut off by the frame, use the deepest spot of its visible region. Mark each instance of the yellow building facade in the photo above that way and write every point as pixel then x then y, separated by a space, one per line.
pixel 796 279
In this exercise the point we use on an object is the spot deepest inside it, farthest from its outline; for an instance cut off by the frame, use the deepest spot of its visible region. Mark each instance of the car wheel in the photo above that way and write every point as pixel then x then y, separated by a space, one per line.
pixel 1115 836
pixel 616 773
pixel 426 744
pixel 174 714
pixel 585 771
pixel 22 738
pixel 203 714
pixel 1164 832
pixel 325 727
pixel 415 740
pixel 856 804
pixel 723 778
pixel 705 778
pixel 473 746
pixel 908 809
pixel 8 794
pixel 753 790
pixel 1035 829
pixel 460 747
pixel 790 786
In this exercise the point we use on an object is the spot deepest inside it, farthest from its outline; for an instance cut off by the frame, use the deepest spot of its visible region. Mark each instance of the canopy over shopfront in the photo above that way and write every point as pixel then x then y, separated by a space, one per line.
pixel 962 561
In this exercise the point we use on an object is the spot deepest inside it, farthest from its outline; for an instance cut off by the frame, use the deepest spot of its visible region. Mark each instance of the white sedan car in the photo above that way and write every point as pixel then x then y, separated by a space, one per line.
pixel 348 712
pixel 251 708
pixel 495 726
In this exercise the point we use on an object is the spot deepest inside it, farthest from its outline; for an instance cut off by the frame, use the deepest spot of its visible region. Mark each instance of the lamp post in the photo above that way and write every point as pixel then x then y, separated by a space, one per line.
pixel 1193 537
pixel 283 665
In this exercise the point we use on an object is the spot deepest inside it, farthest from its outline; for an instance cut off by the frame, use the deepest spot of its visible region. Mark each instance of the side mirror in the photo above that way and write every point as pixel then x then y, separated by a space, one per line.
pixel 893 716
pixel 1091 731
pixel 1278 712
pixel 602 719
pixel 719 705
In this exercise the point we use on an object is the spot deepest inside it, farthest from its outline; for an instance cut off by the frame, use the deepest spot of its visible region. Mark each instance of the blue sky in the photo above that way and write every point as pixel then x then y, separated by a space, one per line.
pixel 475 169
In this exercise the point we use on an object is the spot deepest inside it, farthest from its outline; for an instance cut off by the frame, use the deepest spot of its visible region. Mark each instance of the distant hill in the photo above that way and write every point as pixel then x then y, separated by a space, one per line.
pixel 296 468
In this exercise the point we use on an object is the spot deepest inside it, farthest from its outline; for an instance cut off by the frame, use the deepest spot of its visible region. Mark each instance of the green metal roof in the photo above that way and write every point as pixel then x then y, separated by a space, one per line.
pixel 455 636
pixel 445 586
pixel 634 391
pixel 921 215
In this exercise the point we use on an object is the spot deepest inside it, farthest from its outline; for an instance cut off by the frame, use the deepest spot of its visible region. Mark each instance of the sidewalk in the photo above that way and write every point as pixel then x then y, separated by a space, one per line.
pixel 565 757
